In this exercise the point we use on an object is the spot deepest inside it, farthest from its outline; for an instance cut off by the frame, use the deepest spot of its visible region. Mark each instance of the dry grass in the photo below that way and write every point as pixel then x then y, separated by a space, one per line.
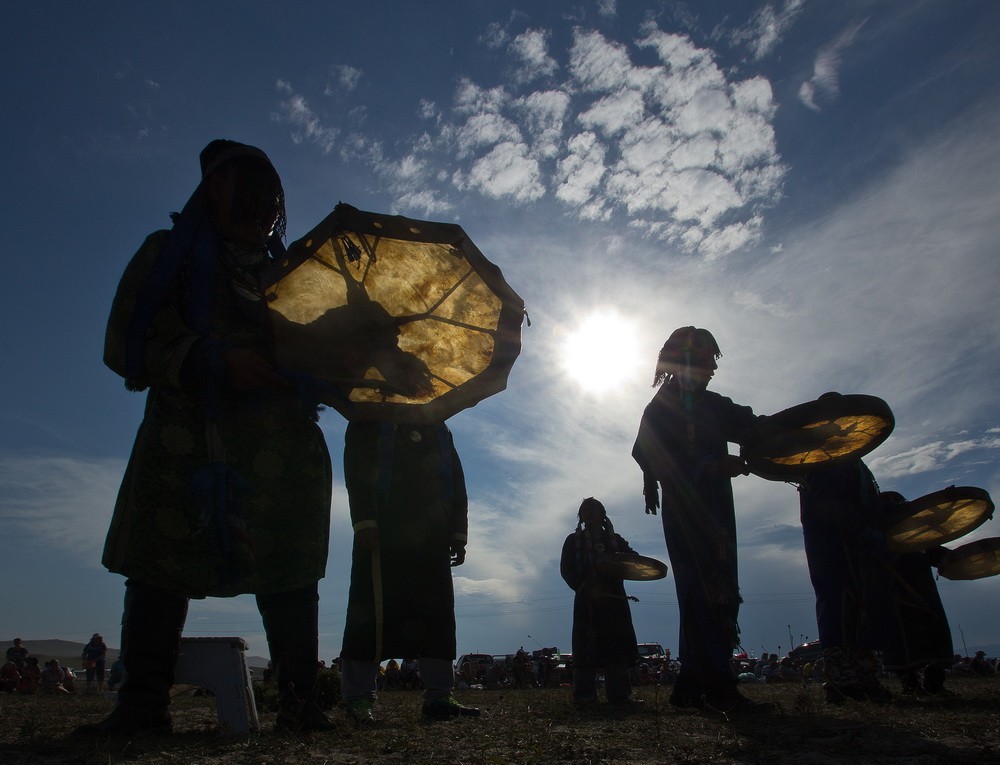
pixel 539 726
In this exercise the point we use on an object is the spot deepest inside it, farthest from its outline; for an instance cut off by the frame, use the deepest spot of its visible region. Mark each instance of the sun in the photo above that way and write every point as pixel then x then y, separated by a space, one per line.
pixel 602 352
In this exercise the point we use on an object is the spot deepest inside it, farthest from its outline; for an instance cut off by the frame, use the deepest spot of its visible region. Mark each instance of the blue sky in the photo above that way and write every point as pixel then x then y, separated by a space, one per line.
pixel 814 182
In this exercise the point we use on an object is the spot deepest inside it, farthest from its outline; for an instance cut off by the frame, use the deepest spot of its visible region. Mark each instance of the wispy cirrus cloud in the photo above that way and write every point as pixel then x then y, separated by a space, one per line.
pixel 932 456
pixel 767 28
pixel 65 500
pixel 825 81
pixel 308 126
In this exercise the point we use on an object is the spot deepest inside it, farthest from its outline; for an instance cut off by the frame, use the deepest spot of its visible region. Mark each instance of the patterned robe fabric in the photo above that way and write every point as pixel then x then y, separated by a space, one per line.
pixel 270 531
pixel 679 447
pixel 406 481
pixel 602 620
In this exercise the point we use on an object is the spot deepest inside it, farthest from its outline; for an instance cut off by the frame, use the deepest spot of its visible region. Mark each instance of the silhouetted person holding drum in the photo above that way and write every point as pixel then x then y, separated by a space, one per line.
pixel 228 486
pixel 682 449
pixel 919 636
pixel 409 509
pixel 841 512
pixel 603 635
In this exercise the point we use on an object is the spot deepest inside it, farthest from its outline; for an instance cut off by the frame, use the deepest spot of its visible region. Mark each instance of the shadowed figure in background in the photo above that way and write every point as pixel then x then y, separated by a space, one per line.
pixel 682 449
pixel 409 509
pixel 228 487
pixel 603 635
pixel 94 657
pixel 919 636
pixel 841 512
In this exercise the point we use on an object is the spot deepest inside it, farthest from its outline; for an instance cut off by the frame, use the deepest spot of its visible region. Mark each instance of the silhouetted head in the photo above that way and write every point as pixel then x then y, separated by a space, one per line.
pixel 246 201
pixel 689 352
pixel 592 512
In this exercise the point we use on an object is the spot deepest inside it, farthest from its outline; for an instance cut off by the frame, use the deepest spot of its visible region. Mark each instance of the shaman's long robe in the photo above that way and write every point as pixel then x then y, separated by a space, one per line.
pixel 407 481
pixel 268 530
pixel 602 620
pixel 679 446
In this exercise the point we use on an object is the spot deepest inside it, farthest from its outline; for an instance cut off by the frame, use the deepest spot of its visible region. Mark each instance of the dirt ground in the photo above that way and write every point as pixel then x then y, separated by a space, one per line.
pixel 539 726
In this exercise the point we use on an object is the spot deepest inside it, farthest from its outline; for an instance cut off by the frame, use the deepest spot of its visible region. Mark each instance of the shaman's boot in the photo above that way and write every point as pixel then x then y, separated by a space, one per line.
pixel 151 631
pixel 291 621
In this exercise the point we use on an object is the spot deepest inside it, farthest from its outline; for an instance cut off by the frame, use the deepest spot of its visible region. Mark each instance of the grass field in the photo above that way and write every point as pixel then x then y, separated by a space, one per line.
pixel 538 726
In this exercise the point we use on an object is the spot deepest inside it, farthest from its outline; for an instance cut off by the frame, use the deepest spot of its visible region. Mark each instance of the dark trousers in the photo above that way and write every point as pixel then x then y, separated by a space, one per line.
pixel 704 571
pixel 151 631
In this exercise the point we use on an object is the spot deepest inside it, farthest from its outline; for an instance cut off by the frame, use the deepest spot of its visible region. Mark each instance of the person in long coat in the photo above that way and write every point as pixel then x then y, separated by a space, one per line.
pixel 603 635
pixel 841 511
pixel 228 487
pixel 919 635
pixel 409 509
pixel 682 449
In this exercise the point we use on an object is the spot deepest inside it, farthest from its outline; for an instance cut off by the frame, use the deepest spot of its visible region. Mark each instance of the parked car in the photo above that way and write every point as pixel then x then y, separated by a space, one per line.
pixel 650 652
pixel 480 662
pixel 807 651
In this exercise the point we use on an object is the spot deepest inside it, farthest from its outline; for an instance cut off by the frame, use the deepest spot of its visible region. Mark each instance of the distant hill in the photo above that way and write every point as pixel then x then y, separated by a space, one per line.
pixel 69 652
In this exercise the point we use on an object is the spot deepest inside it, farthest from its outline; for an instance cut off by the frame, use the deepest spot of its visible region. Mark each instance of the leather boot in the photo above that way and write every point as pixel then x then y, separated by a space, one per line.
pixel 291 621
pixel 151 631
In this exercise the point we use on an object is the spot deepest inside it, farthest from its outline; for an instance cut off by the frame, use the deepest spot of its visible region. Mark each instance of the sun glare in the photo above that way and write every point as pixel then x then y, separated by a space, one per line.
pixel 602 352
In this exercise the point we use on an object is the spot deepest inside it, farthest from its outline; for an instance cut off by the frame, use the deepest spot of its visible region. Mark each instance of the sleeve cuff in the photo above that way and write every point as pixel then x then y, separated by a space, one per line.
pixel 360 525
pixel 463 538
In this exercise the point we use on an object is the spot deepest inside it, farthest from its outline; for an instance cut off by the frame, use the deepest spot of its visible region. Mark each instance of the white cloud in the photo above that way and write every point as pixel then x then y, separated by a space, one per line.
pixel 767 27
pixel 607 8
pixel 506 171
pixel 531 49
pixel 544 113
pixel 345 78
pixel 597 64
pixel 931 456
pixel 680 54
pixel 722 241
pixel 581 169
pixel 757 303
pixel 807 95
pixel 825 81
pixel 427 109
pixel 494 587
pixel 753 95
pixel 424 203
pixel 470 98
pixel 614 112
pixel 486 129
pixel 296 111
pixel 683 153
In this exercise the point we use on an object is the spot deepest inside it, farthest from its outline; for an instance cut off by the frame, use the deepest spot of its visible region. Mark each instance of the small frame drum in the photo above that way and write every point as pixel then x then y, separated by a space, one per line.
pixel 638 568
pixel 975 560
pixel 937 518
pixel 816 435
